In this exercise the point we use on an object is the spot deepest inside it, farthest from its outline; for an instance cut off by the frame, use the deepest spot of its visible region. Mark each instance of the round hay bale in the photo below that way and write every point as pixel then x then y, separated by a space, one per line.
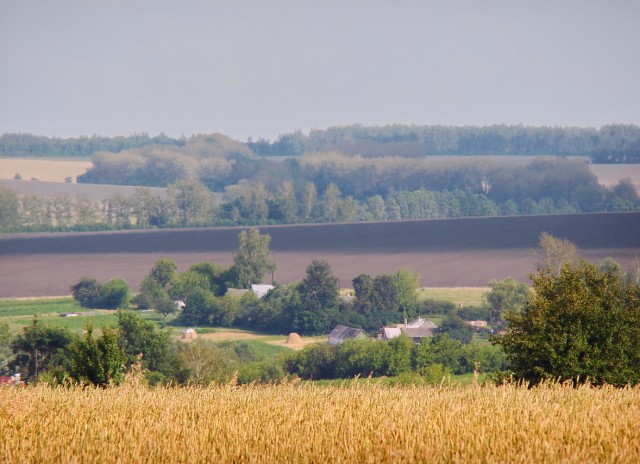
pixel 189 334
pixel 294 339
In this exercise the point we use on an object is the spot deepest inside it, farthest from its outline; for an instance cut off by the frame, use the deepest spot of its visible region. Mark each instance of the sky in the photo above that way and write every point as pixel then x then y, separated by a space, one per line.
pixel 262 68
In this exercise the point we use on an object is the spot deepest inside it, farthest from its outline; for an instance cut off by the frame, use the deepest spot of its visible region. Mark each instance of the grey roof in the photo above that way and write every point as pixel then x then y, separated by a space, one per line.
pixel 425 323
pixel 343 332
pixel 417 332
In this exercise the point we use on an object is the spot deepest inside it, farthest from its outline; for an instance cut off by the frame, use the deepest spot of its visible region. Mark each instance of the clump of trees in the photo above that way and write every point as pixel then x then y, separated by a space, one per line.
pixel 434 358
pixel 89 293
pixel 580 325
pixel 135 348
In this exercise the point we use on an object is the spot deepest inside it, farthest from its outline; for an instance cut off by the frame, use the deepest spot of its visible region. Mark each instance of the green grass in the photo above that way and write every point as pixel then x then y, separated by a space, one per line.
pixel 29 307
pixel 262 349
pixel 76 324
pixel 465 296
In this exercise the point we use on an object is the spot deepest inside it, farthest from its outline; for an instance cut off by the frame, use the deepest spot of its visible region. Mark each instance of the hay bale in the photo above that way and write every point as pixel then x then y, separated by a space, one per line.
pixel 294 339
pixel 189 334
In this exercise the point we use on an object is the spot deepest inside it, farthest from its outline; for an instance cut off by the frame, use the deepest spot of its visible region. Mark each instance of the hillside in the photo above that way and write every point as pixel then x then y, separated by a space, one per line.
pixel 446 253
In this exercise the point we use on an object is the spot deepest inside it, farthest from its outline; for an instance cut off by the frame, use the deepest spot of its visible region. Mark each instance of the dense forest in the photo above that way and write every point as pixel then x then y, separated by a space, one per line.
pixel 615 143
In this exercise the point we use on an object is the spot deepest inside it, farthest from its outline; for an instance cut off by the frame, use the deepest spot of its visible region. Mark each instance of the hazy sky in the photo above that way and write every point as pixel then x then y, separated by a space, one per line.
pixel 261 68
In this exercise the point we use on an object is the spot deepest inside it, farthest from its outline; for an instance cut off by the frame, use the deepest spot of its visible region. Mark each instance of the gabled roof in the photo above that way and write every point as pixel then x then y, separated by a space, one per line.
pixel 417 332
pixel 425 323
pixel 390 332
pixel 260 289
pixel 342 332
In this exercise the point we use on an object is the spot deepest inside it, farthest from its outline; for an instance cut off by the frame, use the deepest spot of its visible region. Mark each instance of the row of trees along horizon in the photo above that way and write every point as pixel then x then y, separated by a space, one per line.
pixel 613 143
pixel 578 322
pixel 213 180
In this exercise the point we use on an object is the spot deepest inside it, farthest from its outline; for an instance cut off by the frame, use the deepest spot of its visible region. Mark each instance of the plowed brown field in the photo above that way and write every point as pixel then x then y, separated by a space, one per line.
pixel 446 253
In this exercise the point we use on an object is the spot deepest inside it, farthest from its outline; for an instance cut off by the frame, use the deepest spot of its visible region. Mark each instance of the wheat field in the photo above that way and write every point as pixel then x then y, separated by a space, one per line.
pixel 358 422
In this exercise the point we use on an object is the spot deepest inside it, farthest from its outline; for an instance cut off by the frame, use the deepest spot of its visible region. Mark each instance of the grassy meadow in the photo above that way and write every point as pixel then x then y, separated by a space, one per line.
pixel 463 296
pixel 356 422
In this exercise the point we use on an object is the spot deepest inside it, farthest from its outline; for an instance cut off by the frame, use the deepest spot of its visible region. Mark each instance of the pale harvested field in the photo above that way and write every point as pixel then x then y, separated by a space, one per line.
pixel 42 169
pixel 354 423
pixel 610 174
pixel 465 252
pixel 96 192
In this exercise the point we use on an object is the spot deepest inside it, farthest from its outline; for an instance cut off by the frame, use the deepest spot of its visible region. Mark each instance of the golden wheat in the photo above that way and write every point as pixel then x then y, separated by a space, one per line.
pixel 307 423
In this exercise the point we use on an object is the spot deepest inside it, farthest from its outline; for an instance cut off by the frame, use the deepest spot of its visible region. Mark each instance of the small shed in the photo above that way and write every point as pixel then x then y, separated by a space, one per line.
pixel 341 333
pixel 189 334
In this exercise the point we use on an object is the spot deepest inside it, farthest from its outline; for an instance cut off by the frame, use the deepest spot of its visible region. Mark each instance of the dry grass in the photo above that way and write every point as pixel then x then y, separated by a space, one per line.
pixel 42 169
pixel 465 296
pixel 239 334
pixel 293 423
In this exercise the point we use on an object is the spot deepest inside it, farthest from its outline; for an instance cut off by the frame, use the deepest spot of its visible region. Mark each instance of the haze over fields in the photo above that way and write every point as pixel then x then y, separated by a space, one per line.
pixel 250 68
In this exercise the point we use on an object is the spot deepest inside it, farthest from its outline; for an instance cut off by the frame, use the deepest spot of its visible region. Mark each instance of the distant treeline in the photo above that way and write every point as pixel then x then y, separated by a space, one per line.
pixel 611 144
pixel 615 143
pixel 27 145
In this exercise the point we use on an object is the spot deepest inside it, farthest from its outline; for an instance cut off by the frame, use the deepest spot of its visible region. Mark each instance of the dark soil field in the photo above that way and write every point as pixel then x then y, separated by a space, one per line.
pixel 446 253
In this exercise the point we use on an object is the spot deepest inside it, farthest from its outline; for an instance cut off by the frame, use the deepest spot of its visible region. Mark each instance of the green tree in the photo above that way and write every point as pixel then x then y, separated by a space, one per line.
pixel 193 203
pixel 319 299
pixel 506 295
pixel 253 257
pixel 204 362
pixel 315 361
pixel 5 346
pixel 41 348
pixel 309 199
pixel 188 282
pixel 99 362
pixel 114 294
pixel 199 306
pixel 583 325
pixel 407 283
pixel 287 200
pixel 331 202
pixel 137 336
pixel 456 328
pixel 150 294
pixel 164 272
pixel 9 209
pixel 87 292
pixel 401 351
pixel 166 306
pixel 214 274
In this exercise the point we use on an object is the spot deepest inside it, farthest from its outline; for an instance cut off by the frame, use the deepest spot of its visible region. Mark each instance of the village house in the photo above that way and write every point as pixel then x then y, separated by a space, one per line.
pixel 342 333
pixel 417 330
